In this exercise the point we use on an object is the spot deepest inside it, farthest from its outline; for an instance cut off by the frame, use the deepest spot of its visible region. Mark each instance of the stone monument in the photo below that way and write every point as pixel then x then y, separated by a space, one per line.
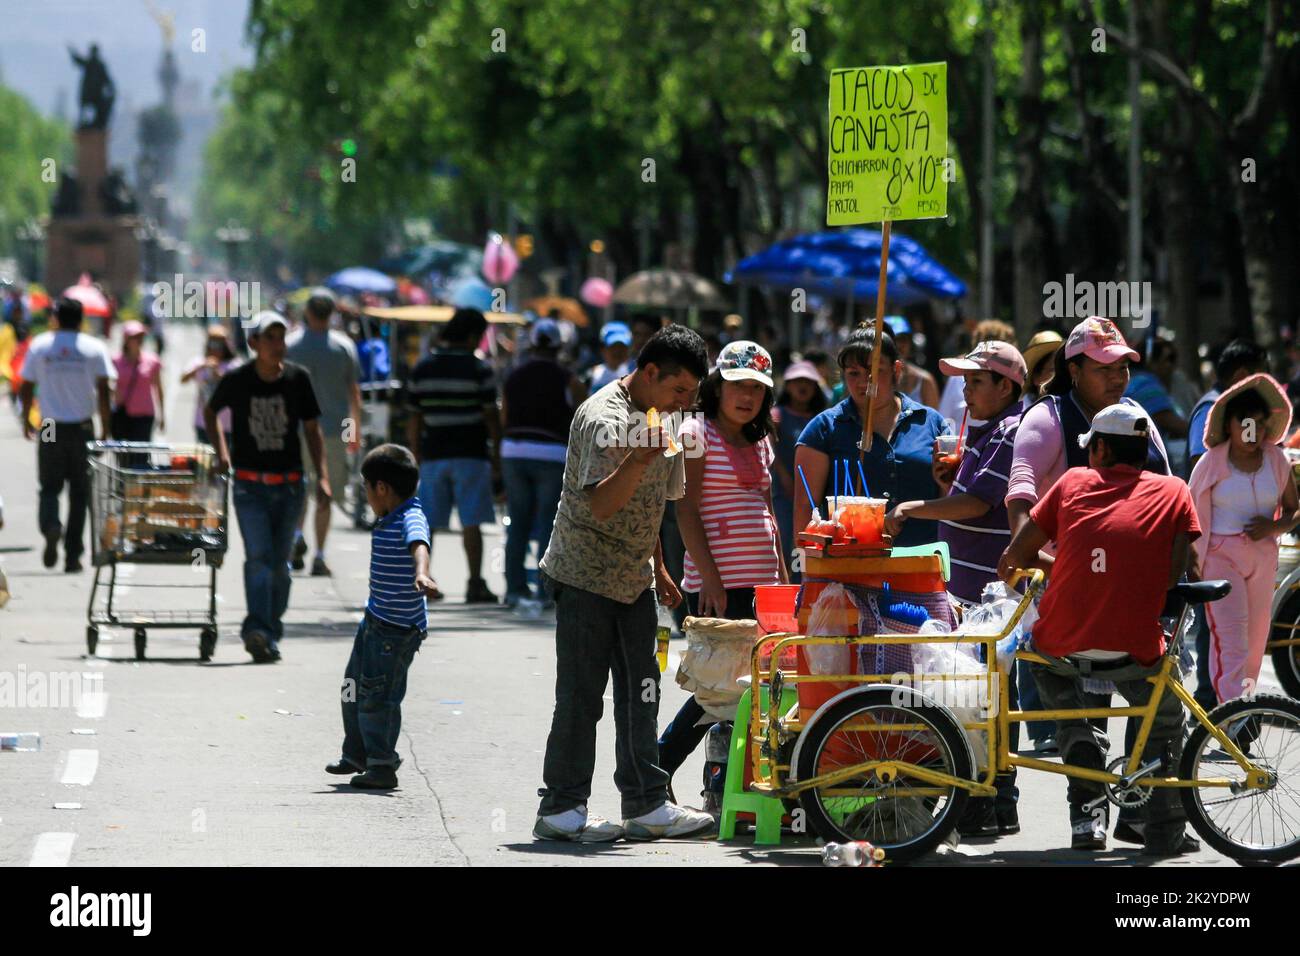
pixel 92 221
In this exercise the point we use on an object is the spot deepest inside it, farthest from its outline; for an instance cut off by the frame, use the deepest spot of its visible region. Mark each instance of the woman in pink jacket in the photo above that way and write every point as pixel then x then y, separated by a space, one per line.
pixel 1245 495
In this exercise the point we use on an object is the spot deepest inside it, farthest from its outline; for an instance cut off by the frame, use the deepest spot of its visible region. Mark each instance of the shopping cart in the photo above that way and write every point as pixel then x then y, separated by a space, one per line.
pixel 155 504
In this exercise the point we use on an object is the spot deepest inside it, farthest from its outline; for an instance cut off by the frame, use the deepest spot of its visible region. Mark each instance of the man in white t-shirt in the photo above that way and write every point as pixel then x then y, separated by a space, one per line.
pixel 75 375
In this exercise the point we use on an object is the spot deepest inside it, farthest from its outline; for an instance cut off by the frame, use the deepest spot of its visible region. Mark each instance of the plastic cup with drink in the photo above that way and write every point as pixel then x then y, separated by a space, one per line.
pixel 861 518
pixel 948 451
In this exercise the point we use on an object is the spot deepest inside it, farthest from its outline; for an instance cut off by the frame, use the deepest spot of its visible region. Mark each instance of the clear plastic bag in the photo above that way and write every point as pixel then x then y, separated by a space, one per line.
pixel 997 607
pixel 967 699
pixel 833 608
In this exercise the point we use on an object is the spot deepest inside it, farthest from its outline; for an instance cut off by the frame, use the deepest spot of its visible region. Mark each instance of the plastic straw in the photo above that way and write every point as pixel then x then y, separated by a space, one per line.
pixel 812 502
pixel 863 475
pixel 835 499
pixel 961 434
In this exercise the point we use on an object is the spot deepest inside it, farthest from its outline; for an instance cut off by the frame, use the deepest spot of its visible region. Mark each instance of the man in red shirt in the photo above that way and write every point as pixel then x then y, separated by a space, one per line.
pixel 1122 540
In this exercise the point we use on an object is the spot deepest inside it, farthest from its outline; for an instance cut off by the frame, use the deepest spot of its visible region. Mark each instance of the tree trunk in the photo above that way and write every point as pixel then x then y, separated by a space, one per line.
pixel 1029 231
pixel 1179 190
pixel 1250 203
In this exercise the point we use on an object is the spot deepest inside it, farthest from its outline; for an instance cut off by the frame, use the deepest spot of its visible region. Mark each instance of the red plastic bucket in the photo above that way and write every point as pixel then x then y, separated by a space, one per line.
pixel 774 608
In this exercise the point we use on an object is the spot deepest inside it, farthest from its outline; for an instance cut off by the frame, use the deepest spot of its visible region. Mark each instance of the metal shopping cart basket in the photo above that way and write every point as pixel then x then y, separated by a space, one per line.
pixel 155 504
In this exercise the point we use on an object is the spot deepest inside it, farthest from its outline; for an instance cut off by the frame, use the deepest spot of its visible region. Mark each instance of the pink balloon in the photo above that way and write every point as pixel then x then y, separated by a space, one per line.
pixel 499 260
pixel 597 292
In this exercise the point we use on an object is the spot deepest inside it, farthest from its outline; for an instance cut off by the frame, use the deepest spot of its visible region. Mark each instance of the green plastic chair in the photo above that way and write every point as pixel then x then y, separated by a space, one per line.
pixel 767 811
pixel 921 550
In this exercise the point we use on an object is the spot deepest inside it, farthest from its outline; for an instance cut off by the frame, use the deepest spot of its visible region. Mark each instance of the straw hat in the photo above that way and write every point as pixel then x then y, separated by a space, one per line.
pixel 1040 346
pixel 1279 409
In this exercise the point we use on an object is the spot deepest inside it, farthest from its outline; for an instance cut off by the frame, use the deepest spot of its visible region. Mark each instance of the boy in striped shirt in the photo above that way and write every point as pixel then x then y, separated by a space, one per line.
pixel 394 624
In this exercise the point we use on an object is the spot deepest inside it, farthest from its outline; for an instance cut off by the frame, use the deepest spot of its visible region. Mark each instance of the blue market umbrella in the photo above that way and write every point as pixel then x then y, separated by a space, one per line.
pixel 471 294
pixel 361 279
pixel 845 263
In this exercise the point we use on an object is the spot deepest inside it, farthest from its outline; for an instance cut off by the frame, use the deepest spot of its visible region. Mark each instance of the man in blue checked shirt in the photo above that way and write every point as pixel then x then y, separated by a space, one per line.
pixel 394 624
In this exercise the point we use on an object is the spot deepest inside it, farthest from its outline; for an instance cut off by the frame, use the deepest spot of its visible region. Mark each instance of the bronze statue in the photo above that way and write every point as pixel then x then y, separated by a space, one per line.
pixel 97 90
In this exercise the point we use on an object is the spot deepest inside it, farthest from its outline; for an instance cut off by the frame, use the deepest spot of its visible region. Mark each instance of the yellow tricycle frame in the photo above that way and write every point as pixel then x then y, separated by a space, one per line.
pixel 769 729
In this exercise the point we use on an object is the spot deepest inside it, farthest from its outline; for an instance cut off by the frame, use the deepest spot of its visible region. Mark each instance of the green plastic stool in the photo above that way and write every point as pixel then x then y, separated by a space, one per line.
pixel 767 811
pixel 920 550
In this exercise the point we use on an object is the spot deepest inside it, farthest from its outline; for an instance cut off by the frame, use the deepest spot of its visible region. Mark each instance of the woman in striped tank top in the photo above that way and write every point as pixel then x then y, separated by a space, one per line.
pixel 726 518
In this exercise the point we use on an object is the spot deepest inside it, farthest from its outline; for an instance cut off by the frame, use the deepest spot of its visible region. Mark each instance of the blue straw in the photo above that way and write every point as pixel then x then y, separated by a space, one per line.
pixel 863 474
pixel 835 500
pixel 812 502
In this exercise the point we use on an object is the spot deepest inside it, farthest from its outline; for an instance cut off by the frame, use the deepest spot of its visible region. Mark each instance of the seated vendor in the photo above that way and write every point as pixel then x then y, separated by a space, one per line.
pixel 1122 538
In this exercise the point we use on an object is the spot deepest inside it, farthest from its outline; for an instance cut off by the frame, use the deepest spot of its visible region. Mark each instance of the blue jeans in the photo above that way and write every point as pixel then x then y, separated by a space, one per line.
pixel 373 687
pixel 532 495
pixel 463 482
pixel 1205 695
pixel 268 515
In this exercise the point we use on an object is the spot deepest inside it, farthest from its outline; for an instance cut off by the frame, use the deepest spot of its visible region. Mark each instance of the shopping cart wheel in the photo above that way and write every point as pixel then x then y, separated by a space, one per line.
pixel 92 639
pixel 139 643
pixel 207 643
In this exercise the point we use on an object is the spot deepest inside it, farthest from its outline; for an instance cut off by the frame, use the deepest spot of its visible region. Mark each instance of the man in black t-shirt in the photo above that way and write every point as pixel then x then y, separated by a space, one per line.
pixel 267 398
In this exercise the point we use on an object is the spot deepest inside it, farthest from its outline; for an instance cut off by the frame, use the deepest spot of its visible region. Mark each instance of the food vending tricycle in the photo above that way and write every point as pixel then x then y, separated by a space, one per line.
pixel 891 746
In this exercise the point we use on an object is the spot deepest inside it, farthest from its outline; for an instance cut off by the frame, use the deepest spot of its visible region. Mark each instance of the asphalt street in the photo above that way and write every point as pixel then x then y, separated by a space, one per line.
pixel 176 763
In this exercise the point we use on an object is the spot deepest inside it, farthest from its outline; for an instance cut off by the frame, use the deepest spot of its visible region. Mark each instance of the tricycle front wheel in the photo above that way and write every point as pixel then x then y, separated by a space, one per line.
pixel 1248 825
pixel 905 816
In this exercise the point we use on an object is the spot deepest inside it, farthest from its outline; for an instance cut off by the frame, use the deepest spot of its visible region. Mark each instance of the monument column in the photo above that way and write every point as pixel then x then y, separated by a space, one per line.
pixel 92 168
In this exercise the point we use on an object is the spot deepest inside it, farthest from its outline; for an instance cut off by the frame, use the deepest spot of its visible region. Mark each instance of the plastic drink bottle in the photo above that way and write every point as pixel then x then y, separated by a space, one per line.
pixel 857 853
pixel 20 742
pixel 717 749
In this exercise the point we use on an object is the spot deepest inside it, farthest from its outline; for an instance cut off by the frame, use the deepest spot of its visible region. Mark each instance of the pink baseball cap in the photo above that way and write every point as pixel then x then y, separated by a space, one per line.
pixel 133 328
pixel 1100 340
pixel 798 370
pixel 1001 357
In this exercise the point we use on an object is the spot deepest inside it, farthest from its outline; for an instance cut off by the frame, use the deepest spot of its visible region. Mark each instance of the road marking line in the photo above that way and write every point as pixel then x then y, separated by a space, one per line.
pixel 93 706
pixel 52 849
pixel 81 767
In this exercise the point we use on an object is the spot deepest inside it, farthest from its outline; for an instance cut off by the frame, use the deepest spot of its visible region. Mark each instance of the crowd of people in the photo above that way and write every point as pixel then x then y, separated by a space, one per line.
pixel 1069 447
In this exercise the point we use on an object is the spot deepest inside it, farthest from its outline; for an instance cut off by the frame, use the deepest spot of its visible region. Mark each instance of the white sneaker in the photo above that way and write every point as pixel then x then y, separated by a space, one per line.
pixel 576 827
pixel 670 821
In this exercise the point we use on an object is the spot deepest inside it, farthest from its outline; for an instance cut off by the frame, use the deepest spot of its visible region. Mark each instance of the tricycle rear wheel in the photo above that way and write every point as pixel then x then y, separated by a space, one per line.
pixel 876 810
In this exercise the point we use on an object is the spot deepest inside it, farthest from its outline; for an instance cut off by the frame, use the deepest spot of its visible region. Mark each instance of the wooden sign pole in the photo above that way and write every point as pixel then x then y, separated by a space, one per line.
pixel 867 432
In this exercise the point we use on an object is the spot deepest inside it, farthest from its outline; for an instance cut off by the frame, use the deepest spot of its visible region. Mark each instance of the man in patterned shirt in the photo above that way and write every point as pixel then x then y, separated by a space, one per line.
pixel 603 566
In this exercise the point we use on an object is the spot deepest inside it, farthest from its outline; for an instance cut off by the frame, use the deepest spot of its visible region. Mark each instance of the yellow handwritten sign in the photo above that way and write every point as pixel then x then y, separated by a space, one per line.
pixel 888 155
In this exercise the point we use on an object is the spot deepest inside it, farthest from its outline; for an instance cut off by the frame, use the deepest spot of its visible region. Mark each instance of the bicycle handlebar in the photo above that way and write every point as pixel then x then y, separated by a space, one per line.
pixel 1035 576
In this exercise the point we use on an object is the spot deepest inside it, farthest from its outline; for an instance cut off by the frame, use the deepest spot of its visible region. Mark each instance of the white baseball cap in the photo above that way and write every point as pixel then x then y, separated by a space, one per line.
pixel 1119 419
pixel 264 320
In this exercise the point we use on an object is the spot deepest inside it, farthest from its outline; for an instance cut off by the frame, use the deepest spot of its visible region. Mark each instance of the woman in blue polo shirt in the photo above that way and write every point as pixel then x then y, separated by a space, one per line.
pixel 899 462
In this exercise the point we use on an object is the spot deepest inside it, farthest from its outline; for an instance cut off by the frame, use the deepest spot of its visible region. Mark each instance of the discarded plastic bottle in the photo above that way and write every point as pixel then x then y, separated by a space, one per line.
pixel 857 853
pixel 717 748
pixel 20 742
